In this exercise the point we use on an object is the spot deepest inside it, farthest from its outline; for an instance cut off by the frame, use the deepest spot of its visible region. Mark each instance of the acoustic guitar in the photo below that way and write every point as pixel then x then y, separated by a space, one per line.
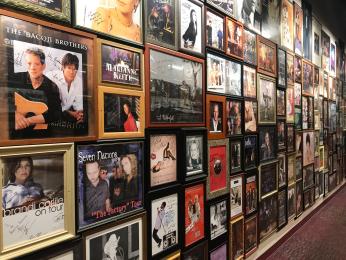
pixel 30 108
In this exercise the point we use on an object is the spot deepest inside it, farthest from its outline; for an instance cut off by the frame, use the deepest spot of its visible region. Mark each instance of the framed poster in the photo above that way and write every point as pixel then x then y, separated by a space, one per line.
pixel 281 68
pixel 236 238
pixel 191 22
pixel 218 168
pixel 268 179
pixel 250 235
pixel 250 151
pixel 38 107
pixel 266 99
pixel 291 138
pixel 290 68
pixel 250 194
pixel 123 239
pixel 281 134
pixel 249 82
pixel 236 196
pixel 267 143
pixel 290 100
pixel 216 116
pixel 270 26
pixel 282 208
pixel 307 30
pixel 109 180
pixel 308 78
pixel 218 218
pixel 268 216
pixel 37 186
pixel 250 47
pixel 215 34
pixel 282 175
pixel 234 115
pixel 250 116
pixel 234 38
pixel 316 42
pixel 228 7
pixel 286 24
pixel 121 113
pixel 219 252
pixel 291 202
pixel 249 13
pixel 236 155
pixel 175 93
pixel 307 112
pixel 308 148
pixel 266 56
pixel 199 251
pixel 308 176
pixel 281 102
pixel 298 69
pixel 325 46
pixel 161 22
pixel 298 29
pixel 119 20
pixel 120 65
pixel 291 168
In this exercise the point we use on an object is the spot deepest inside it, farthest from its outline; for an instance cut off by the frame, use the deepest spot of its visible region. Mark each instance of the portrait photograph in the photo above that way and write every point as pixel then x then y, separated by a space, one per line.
pixel 228 7
pixel 291 168
pixel 216 107
pixel 299 143
pixel 161 22
pixel 250 116
pixel 250 194
pixel 297 94
pixel 236 155
pixel 266 56
pixel 298 29
pixel 299 168
pixel 325 48
pixel 194 154
pixel 299 198
pixel 219 253
pixel 332 60
pixel 282 208
pixel 234 112
pixel 290 138
pixel 249 13
pixel 233 78
pixel 282 179
pixel 290 67
pixel 281 68
pixel 297 69
pixel 267 145
pixel 215 35
pixel 175 96
pixel 287 24
pixel 268 179
pixel 249 82
pixel 191 22
pixel 308 148
pixel 236 196
pixel 218 78
pixel 316 42
pixel 266 99
pixel 194 214
pixel 250 47
pixel 234 38
pixel 290 100
pixel 218 219
pixel 237 238
pixel 268 216
pixel 250 235
pixel 308 78
pixel 125 240
pixel 113 18
pixel 281 134
pixel 291 202
pixel 250 151
pixel 280 102
pixel 308 176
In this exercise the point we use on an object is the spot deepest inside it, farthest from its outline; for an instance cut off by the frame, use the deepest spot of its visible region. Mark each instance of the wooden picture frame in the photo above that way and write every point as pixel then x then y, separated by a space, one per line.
pixel 290 107
pixel 36 209
pixel 290 66
pixel 217 220
pixel 249 82
pixel 236 239
pixel 234 116
pixel 174 256
pixel 212 28
pixel 267 143
pixel 266 49
pixel 298 69
pixel 268 175
pixel 214 105
pixel 234 46
pixel 266 87
pixel 307 79
pixel 250 116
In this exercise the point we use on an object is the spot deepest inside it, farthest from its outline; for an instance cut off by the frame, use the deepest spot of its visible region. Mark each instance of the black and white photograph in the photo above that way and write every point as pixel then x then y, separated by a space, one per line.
pixel 236 195
pixel 250 151
pixel 194 154
pixel 250 116
pixel 266 87
pixel 214 26
pixel 270 28
pixel 249 13
pixel 267 146
pixel 236 155
pixel 218 219
pixel 227 7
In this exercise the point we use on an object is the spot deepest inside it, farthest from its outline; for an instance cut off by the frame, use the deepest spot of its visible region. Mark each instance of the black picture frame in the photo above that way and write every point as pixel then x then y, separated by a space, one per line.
pixel 198 251
pixel 250 152
pixel 281 134
pixel 308 176
pixel 251 192
pixel 234 115
pixel 282 170
pixel 268 216
pixel 267 151
pixel 268 179
pixel 299 198
pixel 282 79
pixel 281 102
pixel 282 208
pixel 290 134
pixel 219 45
pixel 236 155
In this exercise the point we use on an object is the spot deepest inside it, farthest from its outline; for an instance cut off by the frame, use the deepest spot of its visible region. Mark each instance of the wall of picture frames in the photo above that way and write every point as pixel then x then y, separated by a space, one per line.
pixel 164 129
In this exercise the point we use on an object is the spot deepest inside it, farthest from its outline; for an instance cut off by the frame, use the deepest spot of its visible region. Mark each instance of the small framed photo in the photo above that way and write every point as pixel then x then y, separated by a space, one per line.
pixel 110 178
pixel 250 116
pixel 299 168
pixel 234 115
pixel 123 239
pixel 121 113
pixel 290 104
pixel 308 147
pixel 250 152
pixel 266 99
pixel 236 238
pixel 37 184
pixel 218 218
pixel 298 29
pixel 281 134
pixel 291 202
pixel 321 151
pixel 250 47
pixel 308 78
pixel 267 143
pixel 297 94
pixel 308 176
pixel 219 253
pixel 287 25
pixel 249 82
pixel 307 112
pixel 218 168
pixel 268 179
pixel 234 38
pixel 216 116
pixel 268 216
pixel 215 26
pixel 281 68
pixel 199 251
pixel 236 154
pixel 289 67
pixel 309 198
pixel 299 198
pixel 290 138
pixel 299 143
pixel 282 208
pixel 317 75
pixel 282 179
pixel 316 42
pixel 291 168
pixel 297 69
pixel 280 102
pixel 266 56
pixel 236 196
pixel 191 23
pixel 250 235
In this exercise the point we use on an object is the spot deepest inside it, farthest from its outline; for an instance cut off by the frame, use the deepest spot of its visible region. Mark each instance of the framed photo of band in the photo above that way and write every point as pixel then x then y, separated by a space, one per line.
pixel 215 30
pixel 175 92
pixel 39 107
pixel 118 20
pixel 266 57
pixel 121 113
pixel 38 205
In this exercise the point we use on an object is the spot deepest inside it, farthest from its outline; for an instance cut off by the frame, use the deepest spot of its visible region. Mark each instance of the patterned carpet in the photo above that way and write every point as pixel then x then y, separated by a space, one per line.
pixel 323 236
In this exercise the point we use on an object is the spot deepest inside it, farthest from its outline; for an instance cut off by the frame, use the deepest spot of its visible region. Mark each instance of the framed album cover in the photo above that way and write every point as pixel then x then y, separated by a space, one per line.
pixel 291 202
pixel 291 168
pixel 308 176
pixel 266 56
pixel 236 238
pixel 236 196
pixel 268 216
pixel 250 235
pixel 236 155
pixel 199 251
pixel 249 82
pixel 280 102
pixel 268 179
pixel 218 168
pixel 266 99
pixel 282 208
pixel 308 78
pixel 234 38
pixel 289 67
pixel 250 47
pixel 215 115
pixel 298 29
pixel 250 116
pixel 234 115
pixel 281 134
pixel 37 106
pixel 250 152
pixel 172 76
pixel 161 22
pixel 286 24
pixel 228 8
pixel 250 193
pixel 37 184
pixel 308 147
pixel 215 30
pixel 267 143
pixel 282 178
pixel 121 21
pixel 124 239
pixel 120 65
pixel 218 218
pixel 281 68
pixel 121 113
pixel 297 69
pixel 290 98
pixel 109 181
pixel 219 253
pixel 191 23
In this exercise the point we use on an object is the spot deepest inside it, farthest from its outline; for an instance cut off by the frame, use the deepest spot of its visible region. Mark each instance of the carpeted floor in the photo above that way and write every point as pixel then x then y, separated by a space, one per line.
pixel 323 236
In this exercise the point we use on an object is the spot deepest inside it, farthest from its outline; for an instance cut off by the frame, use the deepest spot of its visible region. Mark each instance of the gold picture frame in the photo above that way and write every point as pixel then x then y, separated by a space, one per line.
pixel 52 158
pixel 139 102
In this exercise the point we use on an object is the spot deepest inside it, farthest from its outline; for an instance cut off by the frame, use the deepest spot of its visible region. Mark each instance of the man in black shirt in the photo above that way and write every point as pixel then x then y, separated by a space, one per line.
pixel 30 92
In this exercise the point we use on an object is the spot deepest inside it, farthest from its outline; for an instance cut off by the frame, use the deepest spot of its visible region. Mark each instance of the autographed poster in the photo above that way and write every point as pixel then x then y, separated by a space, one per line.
pixel 110 181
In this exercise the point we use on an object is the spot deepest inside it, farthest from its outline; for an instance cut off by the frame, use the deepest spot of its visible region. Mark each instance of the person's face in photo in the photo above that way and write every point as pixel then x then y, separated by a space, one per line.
pixel 249 6
pixel 69 72
pixel 34 65
pixel 103 174
pixel 216 112
pixel 23 172
pixel 194 16
pixel 126 165
pixel 126 109
pixel 93 170
pixel 267 139
pixel 194 151
pixel 127 6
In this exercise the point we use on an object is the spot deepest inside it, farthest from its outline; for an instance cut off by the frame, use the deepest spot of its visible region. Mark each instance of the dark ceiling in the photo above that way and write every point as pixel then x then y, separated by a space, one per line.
pixel 332 14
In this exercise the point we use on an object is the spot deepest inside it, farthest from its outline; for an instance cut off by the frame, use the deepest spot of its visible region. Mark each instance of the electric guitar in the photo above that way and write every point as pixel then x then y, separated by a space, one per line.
pixel 30 108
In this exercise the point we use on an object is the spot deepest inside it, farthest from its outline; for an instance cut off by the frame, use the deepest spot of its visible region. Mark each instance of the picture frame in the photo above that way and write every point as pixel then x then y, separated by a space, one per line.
pixel 236 154
pixel 223 7
pixel 46 197
pixel 236 238
pixel 215 30
pixel 298 29
pixel 126 124
pixel 266 88
pixel 200 251
pixel 234 115
pixel 115 171
pixel 282 136
pixel 291 169
pixel 308 79
pixel 308 176
pixel 321 151
pixel 250 152
pixel 266 50
pixel 297 94
pixel 299 168
pixel 163 64
pixel 309 198
pixel 316 42
pixel 250 47
pixel 281 68
pixel 120 65
pixel 218 168
pixel 282 170
pixel 299 143
pixel 287 25
pixel 161 23
pixel 250 116
pixel 308 112
pixel 308 148
pixel 281 102
pixel 98 243
pixel 236 196
pixel 249 82
pixel 173 256
pixel 250 235
pixel 216 125
pixel 290 111
pixel 307 30
pixel 267 143
pixel 219 253
pixel 218 220
pixel 270 21
pixel 96 18
pixel 163 169
pixel 65 121
pixel 299 198
pixel 290 66
pixel 234 38
pixel 291 202
pixel 267 222
pixel 291 138
pixel 298 69
pixel 268 179
pixel 282 208
pixel 191 35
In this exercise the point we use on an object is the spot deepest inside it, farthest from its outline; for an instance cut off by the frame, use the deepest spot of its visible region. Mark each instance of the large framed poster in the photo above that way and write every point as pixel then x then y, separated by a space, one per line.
pixel 37 207
pixel 109 181
pixel 48 88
